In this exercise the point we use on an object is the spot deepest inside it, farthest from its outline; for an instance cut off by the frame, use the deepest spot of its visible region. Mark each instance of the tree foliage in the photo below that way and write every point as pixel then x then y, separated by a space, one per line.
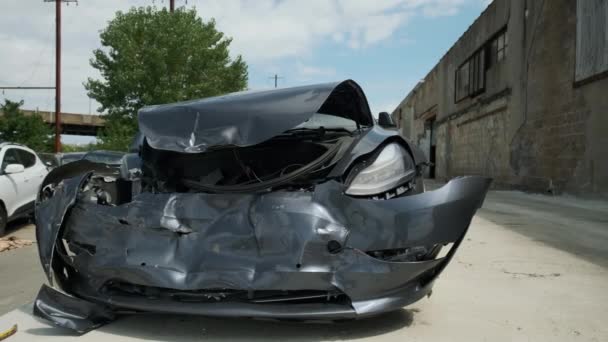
pixel 67 148
pixel 27 130
pixel 151 56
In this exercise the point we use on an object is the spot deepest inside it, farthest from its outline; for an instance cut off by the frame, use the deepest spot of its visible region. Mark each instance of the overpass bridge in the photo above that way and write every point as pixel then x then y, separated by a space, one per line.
pixel 71 123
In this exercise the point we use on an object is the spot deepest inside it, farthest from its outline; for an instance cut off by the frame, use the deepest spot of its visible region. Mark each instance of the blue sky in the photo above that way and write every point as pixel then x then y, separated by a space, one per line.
pixel 388 70
pixel 384 45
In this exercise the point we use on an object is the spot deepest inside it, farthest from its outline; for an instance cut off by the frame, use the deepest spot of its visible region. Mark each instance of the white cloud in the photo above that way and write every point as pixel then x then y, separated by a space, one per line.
pixel 308 72
pixel 263 31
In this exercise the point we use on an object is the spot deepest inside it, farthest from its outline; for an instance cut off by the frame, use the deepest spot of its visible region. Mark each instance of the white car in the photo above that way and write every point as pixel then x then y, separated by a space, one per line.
pixel 21 174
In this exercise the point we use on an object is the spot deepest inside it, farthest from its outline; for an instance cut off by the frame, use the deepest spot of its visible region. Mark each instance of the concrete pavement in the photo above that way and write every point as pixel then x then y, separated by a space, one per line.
pixel 520 275
pixel 20 270
pixel 576 225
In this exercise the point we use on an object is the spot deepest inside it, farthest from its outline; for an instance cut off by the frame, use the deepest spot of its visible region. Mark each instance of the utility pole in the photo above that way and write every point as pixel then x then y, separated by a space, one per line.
pixel 57 76
pixel 276 79
pixel 58 71
pixel 171 6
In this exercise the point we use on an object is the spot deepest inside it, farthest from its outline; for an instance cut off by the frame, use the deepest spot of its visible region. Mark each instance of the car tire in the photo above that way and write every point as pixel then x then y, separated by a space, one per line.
pixel 3 220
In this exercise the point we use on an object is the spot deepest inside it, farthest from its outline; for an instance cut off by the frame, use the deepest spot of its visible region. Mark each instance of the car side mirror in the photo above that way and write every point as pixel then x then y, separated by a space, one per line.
pixel 385 121
pixel 13 168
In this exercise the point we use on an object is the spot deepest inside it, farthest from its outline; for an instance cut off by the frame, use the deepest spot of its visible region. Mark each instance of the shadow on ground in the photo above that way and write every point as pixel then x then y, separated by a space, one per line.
pixel 15 226
pixel 188 328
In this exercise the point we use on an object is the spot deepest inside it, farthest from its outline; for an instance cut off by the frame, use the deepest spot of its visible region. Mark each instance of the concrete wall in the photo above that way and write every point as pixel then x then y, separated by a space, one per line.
pixel 533 127
pixel 563 140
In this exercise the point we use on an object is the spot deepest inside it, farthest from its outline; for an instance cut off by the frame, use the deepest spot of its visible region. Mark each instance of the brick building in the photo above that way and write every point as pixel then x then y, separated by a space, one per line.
pixel 522 96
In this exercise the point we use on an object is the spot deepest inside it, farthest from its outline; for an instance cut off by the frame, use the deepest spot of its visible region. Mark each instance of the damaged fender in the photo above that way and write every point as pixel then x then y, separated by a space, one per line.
pixel 50 215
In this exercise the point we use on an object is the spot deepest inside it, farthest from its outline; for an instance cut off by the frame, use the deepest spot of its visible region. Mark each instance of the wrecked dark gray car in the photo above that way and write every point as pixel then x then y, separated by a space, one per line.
pixel 287 204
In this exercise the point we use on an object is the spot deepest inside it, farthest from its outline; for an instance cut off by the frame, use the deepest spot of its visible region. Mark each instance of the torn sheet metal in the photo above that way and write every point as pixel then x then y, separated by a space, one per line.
pixel 272 241
pixel 50 215
pixel 69 312
pixel 247 118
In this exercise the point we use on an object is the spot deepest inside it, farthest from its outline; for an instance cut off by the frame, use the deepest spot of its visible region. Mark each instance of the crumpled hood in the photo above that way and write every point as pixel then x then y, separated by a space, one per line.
pixel 248 118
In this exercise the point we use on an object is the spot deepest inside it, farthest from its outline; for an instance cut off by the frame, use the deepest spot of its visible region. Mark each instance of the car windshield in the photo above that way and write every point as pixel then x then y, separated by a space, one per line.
pixel 327 121
pixel 105 157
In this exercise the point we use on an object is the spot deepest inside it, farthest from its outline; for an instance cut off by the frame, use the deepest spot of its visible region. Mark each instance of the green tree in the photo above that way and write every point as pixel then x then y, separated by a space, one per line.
pixel 150 56
pixel 27 130
pixel 66 148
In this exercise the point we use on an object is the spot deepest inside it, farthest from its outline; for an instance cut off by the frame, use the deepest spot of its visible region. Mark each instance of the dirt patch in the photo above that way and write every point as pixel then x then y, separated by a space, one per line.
pixel 13 242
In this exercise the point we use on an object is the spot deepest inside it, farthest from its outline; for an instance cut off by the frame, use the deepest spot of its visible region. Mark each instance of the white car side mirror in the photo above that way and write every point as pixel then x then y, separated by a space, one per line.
pixel 13 168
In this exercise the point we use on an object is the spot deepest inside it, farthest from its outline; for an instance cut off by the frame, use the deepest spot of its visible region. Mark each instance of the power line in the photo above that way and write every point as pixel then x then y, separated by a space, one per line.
pixel 41 52
pixel 25 88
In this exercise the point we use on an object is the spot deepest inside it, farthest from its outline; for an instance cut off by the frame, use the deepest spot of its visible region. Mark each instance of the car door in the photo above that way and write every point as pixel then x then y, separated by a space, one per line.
pixel 33 175
pixel 12 186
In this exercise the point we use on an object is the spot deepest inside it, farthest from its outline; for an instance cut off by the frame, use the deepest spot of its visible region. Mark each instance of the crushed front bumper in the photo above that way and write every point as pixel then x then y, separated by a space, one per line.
pixel 183 243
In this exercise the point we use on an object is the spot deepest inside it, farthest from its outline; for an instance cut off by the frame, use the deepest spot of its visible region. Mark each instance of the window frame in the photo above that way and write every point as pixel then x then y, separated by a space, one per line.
pixel 2 166
pixel 580 80
pixel 495 49
pixel 501 51
pixel 478 64
pixel 457 95
pixel 31 155
pixel 476 75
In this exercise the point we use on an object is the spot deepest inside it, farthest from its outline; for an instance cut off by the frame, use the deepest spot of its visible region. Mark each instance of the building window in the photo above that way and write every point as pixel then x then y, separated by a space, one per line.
pixel 591 39
pixel 462 81
pixel 477 73
pixel 501 47
pixel 498 48
pixel 471 76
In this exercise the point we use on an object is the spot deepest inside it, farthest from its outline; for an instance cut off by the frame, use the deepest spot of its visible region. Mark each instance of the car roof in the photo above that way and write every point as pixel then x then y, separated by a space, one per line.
pixel 7 143
pixel 21 146
pixel 107 152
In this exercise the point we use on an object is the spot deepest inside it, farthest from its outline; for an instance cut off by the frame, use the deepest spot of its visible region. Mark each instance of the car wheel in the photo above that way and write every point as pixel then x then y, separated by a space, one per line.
pixel 3 220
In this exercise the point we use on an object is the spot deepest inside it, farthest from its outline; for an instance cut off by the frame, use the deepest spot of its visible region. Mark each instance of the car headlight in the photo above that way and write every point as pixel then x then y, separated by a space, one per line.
pixel 392 167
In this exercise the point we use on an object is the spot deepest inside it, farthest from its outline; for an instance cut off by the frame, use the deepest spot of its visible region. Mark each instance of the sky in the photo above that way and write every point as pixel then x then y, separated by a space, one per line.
pixel 386 46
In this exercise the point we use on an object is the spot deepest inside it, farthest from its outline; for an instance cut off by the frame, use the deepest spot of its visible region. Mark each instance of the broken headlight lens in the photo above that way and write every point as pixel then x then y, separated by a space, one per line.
pixel 392 167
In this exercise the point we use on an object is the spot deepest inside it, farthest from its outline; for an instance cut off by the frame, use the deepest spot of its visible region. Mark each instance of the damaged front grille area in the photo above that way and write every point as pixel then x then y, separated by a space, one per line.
pixel 288 162
pixel 227 295
pixel 403 190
